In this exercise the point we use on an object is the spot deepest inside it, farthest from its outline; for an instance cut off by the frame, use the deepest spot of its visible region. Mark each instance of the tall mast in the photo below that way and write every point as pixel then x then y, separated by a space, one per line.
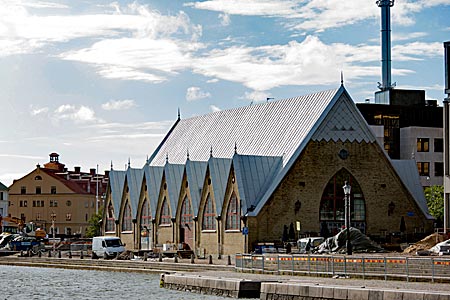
pixel 386 83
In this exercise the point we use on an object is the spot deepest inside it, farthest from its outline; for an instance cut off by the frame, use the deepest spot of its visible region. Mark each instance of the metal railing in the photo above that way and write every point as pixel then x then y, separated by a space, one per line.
pixel 374 266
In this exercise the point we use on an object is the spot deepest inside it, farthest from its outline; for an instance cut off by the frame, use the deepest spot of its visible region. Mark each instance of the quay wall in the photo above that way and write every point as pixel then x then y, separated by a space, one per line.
pixel 297 291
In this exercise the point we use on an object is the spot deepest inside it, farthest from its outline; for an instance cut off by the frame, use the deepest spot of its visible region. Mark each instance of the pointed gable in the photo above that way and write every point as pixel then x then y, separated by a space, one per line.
pixel 195 172
pixel 134 182
pixel 116 183
pixel 174 177
pixel 153 176
pixel 219 171
pixel 254 174
pixel 344 122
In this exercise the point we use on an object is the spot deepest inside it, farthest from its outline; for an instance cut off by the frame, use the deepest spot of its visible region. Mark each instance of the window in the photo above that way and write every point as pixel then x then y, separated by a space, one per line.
pixel 1 196
pixel 233 214
pixel 22 217
pixel 186 213
pixel 23 190
pixel 438 169
pixel 86 204
pixel 38 177
pixel 68 203
pixel 332 204
pixel 53 190
pixel 38 203
pixel 38 216
pixel 53 203
pixel 25 203
pixel 110 221
pixel 438 145
pixel 165 213
pixel 68 217
pixel 146 216
pixel 424 168
pixel 423 145
pixel 208 215
pixel 38 190
pixel 126 222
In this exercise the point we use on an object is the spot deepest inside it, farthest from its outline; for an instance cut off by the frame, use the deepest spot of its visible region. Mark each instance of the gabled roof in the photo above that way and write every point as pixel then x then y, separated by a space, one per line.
pixel 407 170
pixel 153 176
pixel 254 174
pixel 271 129
pixel 134 182
pixel 116 182
pixel 3 187
pixel 174 176
pixel 219 170
pixel 339 109
pixel 195 172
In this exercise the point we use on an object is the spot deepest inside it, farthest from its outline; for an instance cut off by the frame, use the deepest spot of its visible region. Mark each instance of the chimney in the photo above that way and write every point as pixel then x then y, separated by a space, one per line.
pixel 77 170
pixel 92 172
pixel 107 174
pixel 385 6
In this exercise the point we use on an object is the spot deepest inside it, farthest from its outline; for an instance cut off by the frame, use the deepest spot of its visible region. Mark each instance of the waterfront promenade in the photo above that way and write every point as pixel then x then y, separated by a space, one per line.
pixel 220 271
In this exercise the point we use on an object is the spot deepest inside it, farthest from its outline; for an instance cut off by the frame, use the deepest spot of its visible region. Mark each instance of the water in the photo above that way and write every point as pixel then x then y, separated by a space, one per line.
pixel 45 283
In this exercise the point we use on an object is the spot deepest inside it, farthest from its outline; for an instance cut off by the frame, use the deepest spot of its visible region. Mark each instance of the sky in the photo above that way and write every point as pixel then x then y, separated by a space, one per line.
pixel 101 82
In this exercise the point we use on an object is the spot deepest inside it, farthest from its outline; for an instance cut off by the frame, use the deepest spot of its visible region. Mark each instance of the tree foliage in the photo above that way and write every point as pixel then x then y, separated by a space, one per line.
pixel 94 224
pixel 435 201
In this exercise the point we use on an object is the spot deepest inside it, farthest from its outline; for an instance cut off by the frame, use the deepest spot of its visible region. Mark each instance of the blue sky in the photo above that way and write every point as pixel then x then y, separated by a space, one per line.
pixel 101 81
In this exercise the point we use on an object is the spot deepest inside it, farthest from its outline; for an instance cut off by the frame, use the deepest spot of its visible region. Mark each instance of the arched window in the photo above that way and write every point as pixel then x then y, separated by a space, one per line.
pixel 209 222
pixel 126 222
pixel 332 204
pixel 110 224
pixel 165 213
pixel 186 212
pixel 233 214
pixel 38 177
pixel 146 217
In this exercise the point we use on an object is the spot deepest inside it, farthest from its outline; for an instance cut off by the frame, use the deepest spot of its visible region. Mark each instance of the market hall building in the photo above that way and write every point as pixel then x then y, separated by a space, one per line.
pixel 224 181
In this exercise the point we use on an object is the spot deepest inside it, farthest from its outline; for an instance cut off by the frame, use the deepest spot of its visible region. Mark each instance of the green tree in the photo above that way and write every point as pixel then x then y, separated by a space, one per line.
pixel 435 201
pixel 94 224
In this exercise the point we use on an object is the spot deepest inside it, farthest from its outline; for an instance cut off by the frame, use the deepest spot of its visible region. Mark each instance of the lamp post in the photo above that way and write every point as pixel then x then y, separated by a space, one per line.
pixel 347 189
pixel 53 216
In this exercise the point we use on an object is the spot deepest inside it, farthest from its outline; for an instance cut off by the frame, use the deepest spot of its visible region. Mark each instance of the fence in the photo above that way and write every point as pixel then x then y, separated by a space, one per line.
pixel 375 267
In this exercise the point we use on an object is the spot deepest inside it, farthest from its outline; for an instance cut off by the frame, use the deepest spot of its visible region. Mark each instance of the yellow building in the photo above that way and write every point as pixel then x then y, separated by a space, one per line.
pixel 53 194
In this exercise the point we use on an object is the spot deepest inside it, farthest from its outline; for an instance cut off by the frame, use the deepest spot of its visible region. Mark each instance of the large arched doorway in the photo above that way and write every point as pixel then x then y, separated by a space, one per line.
pixel 332 205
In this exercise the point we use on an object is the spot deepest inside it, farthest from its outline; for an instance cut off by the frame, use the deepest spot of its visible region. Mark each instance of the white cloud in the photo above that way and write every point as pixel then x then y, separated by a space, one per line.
pixel 257 96
pixel 38 111
pixel 195 93
pixel 119 104
pixel 316 15
pixel 224 19
pixel 214 108
pixel 310 62
pixel 81 114
pixel 214 80
pixel 25 32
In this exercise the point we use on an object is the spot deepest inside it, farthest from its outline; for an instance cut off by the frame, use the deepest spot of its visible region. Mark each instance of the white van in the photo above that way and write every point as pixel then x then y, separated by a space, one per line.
pixel 106 246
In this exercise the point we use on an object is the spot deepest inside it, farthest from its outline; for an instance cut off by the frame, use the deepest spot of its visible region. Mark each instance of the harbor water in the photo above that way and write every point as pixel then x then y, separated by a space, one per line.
pixel 48 283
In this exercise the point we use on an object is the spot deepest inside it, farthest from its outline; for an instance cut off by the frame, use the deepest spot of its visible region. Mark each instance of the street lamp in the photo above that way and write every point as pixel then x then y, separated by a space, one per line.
pixel 53 216
pixel 347 189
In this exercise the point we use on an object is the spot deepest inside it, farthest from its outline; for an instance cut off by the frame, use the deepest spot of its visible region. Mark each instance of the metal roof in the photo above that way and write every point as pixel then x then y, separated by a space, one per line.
pixel 408 173
pixel 3 187
pixel 219 171
pixel 134 182
pixel 116 182
pixel 174 176
pixel 195 172
pixel 153 176
pixel 271 129
pixel 254 174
